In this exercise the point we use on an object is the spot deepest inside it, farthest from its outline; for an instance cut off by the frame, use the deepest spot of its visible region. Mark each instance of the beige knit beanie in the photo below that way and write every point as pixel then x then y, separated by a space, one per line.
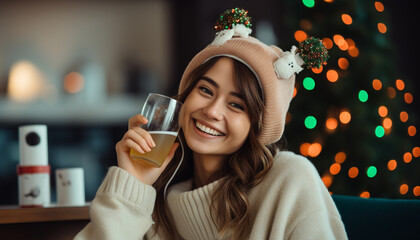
pixel 274 69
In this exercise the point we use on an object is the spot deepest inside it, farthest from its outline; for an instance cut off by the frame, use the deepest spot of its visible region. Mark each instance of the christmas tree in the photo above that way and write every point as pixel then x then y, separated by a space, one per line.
pixel 354 117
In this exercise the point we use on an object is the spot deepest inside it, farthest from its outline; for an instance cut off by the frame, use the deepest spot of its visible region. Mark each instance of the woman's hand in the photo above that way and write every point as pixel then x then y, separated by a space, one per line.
pixel 141 141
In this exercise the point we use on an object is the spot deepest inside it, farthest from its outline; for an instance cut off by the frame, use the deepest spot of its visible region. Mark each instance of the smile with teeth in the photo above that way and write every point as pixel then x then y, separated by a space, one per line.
pixel 207 130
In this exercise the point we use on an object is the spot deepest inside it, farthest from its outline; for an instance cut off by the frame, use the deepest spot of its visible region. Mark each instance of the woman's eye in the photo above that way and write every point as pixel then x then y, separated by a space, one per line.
pixel 206 90
pixel 238 106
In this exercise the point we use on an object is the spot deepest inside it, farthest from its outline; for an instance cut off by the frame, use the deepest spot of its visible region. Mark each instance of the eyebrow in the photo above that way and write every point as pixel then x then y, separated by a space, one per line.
pixel 216 85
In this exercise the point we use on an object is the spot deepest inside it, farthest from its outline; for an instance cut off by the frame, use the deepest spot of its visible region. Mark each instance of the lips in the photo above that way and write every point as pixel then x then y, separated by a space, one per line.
pixel 208 130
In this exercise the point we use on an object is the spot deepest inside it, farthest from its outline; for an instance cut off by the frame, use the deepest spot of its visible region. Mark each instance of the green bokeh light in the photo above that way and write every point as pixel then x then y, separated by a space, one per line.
pixel 310 122
pixel 379 131
pixel 309 83
pixel 363 96
pixel 309 3
pixel 371 171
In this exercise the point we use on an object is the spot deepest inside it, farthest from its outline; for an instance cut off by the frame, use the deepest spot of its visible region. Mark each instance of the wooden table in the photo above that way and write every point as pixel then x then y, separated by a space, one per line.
pixel 53 222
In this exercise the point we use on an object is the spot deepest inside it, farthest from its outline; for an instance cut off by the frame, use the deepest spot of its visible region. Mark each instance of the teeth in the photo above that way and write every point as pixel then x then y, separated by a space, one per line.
pixel 208 130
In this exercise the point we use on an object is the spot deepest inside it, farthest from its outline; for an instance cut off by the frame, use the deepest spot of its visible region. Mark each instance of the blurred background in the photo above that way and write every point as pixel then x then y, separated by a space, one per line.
pixel 84 67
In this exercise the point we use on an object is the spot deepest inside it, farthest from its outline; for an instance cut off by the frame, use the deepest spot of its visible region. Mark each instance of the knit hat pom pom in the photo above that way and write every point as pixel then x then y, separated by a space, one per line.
pixel 233 22
pixel 313 52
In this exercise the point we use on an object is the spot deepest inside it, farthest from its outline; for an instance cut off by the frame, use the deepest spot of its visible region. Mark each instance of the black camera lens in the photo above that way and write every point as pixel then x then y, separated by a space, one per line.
pixel 32 139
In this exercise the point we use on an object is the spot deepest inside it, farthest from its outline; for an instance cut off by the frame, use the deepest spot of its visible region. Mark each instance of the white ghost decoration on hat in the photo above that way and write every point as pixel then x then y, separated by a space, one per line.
pixel 288 64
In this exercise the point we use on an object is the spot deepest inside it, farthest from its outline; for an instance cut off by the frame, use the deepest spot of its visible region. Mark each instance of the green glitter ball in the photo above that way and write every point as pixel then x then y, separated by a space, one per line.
pixel 231 18
pixel 313 52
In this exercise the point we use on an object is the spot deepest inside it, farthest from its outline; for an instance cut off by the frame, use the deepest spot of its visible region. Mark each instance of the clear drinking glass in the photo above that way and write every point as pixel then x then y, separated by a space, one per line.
pixel 164 123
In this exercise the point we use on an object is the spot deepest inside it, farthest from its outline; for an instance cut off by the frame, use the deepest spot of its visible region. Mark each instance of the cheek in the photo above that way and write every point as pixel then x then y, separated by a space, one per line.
pixel 241 126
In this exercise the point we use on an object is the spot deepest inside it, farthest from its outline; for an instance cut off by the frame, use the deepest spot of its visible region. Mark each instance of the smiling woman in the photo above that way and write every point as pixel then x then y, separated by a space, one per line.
pixel 236 181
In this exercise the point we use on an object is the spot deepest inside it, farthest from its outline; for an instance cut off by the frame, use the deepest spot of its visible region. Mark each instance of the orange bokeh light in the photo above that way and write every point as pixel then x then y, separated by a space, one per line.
pixel 403 116
pixel 383 111
pixel 353 51
pixel 327 180
pixel 400 84
pixel 387 123
pixel 353 172
pixel 416 191
pixel 408 98
pixel 335 168
pixel 392 165
pixel 407 157
pixel 412 131
pixel 331 123
pixel 382 28
pixel 343 63
pixel 377 84
pixel 403 189
pixel 328 43
pixel 340 157
pixel 365 194
pixel 391 92
pixel 379 6
pixel 300 35
pixel 332 75
pixel 346 19
pixel 304 149
pixel 416 151
pixel 314 149
pixel 345 117
pixel 317 70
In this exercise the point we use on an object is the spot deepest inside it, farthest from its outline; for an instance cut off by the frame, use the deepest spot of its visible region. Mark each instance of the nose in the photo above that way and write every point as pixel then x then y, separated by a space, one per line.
pixel 214 110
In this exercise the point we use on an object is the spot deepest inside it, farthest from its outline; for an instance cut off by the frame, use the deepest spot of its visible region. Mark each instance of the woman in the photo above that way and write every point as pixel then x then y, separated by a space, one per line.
pixel 235 182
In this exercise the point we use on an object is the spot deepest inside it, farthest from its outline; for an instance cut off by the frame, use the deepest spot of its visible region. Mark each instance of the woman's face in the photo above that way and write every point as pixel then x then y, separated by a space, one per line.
pixel 216 120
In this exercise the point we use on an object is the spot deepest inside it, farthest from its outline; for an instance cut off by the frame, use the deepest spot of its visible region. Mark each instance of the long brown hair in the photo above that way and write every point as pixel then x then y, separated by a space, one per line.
pixel 243 170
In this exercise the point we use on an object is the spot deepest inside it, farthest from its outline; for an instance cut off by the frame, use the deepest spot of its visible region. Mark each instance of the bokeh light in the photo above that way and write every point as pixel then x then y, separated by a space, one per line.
pixel 408 98
pixel 365 194
pixel 309 83
pixel 403 189
pixel 343 63
pixel 314 149
pixel 416 151
pixel 309 3
pixel 332 75
pixel 340 157
pixel 392 165
pixel 379 6
pixel 391 92
pixel 317 70
pixel 407 157
pixel 416 191
pixel 346 19
pixel 304 149
pixel 73 82
pixel 383 111
pixel 331 123
pixel 400 84
pixel 328 43
pixel 327 180
pixel 345 117
pixel 403 116
pixel 335 168
pixel 371 171
pixel 412 131
pixel 310 122
pixel 377 84
pixel 379 131
pixel 363 96
pixel 387 123
pixel 353 172
pixel 300 35
pixel 382 28
pixel 353 51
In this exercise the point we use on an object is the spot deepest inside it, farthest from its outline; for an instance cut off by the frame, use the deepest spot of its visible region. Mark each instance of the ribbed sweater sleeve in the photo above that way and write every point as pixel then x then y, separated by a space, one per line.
pixel 121 209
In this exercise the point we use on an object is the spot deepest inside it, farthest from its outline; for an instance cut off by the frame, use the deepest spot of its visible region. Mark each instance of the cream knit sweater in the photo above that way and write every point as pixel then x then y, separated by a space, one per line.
pixel 290 203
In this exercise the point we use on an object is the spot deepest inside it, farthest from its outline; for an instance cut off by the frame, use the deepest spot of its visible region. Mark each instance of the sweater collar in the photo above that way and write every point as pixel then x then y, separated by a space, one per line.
pixel 191 210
